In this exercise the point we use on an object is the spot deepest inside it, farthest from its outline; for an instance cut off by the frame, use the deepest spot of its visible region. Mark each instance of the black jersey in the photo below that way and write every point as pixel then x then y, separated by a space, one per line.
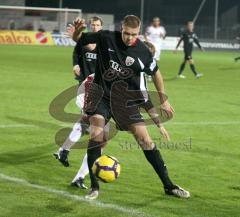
pixel 118 62
pixel 86 59
pixel 188 39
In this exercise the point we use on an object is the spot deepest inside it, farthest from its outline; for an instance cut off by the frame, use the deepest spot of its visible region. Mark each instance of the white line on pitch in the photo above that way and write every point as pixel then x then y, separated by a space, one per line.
pixel 168 123
pixel 204 123
pixel 16 125
pixel 66 194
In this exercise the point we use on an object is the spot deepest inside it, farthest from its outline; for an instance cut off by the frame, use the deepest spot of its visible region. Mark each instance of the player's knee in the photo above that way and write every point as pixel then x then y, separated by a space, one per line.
pixel 96 134
pixel 145 143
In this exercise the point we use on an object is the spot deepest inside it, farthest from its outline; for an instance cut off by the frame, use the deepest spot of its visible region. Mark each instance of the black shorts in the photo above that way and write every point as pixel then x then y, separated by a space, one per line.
pixel 124 116
pixel 121 105
pixel 103 108
pixel 187 55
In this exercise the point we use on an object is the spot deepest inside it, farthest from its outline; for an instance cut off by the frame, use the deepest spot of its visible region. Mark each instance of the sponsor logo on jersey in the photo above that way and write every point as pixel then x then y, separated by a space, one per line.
pixel 110 50
pixel 191 40
pixel 90 56
pixel 129 61
pixel 117 71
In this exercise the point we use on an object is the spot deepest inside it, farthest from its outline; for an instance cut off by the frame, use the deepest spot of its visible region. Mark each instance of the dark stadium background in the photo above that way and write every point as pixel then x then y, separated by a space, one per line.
pixel 171 16
pixel 164 8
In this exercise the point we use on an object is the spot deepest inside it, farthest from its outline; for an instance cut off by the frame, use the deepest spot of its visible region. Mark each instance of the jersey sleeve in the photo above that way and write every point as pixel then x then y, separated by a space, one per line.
pixel 197 41
pixel 180 40
pixel 76 55
pixel 90 38
pixel 151 66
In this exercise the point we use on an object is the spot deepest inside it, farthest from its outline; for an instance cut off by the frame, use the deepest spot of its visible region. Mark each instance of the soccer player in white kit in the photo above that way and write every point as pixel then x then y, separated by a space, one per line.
pixel 155 34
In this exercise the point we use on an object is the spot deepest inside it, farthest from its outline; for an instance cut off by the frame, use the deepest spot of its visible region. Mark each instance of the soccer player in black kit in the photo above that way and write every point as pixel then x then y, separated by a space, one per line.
pixel 84 64
pixel 121 59
pixel 188 37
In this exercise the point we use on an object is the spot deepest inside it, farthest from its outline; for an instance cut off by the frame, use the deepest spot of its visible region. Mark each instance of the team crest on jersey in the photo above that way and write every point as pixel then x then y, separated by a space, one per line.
pixel 129 61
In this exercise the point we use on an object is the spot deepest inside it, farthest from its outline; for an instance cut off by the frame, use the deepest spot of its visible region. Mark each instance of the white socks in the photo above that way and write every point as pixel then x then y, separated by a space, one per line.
pixel 73 137
pixel 83 171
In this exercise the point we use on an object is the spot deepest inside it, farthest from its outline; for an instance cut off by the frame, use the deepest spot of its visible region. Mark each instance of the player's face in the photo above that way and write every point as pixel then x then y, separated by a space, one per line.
pixel 190 27
pixel 156 22
pixel 96 26
pixel 130 35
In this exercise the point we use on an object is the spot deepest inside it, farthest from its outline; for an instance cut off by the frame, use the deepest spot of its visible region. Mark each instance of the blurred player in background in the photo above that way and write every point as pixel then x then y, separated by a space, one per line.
pixel 84 63
pixel 238 38
pixel 155 34
pixel 188 37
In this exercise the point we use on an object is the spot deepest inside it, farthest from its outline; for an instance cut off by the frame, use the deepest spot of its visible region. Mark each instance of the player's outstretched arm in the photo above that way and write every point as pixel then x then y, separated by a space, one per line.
pixel 164 104
pixel 179 42
pixel 198 43
pixel 69 31
pixel 155 117
pixel 164 132
pixel 80 26
pixel 175 50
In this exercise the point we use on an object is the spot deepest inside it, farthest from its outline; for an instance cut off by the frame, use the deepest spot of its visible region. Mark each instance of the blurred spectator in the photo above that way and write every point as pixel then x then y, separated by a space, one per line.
pixel 11 25
pixel 55 30
pixel 41 29
pixel 28 26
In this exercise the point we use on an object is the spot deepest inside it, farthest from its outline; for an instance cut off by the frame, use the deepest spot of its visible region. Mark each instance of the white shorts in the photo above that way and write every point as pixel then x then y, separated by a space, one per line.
pixel 82 93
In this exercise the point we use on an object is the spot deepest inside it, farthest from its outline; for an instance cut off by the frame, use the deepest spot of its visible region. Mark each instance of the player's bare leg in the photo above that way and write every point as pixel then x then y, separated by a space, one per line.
pixel 153 156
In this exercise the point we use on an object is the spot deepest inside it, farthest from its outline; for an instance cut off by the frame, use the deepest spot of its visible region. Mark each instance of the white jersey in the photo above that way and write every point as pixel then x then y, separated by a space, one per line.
pixel 155 34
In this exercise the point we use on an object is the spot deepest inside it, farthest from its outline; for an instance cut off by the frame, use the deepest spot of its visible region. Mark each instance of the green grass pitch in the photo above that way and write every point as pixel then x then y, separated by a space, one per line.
pixel 33 183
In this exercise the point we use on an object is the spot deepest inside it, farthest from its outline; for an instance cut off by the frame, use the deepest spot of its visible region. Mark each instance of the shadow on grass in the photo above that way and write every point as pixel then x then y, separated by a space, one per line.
pixel 215 153
pixel 41 124
pixel 170 79
pixel 27 155
pixel 231 103
pixel 228 68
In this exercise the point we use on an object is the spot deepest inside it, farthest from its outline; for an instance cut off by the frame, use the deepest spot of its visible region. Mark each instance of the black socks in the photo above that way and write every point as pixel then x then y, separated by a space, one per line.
pixel 93 152
pixel 193 69
pixel 181 68
pixel 155 159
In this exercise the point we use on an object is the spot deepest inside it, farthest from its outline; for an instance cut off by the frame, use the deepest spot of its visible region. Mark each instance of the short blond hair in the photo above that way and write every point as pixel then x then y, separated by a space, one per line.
pixel 96 18
pixel 131 21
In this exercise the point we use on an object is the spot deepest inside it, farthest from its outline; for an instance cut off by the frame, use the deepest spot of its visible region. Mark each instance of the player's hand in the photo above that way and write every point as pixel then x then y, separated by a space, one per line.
pixel 164 133
pixel 175 51
pixel 70 31
pixel 76 70
pixel 167 108
pixel 80 26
